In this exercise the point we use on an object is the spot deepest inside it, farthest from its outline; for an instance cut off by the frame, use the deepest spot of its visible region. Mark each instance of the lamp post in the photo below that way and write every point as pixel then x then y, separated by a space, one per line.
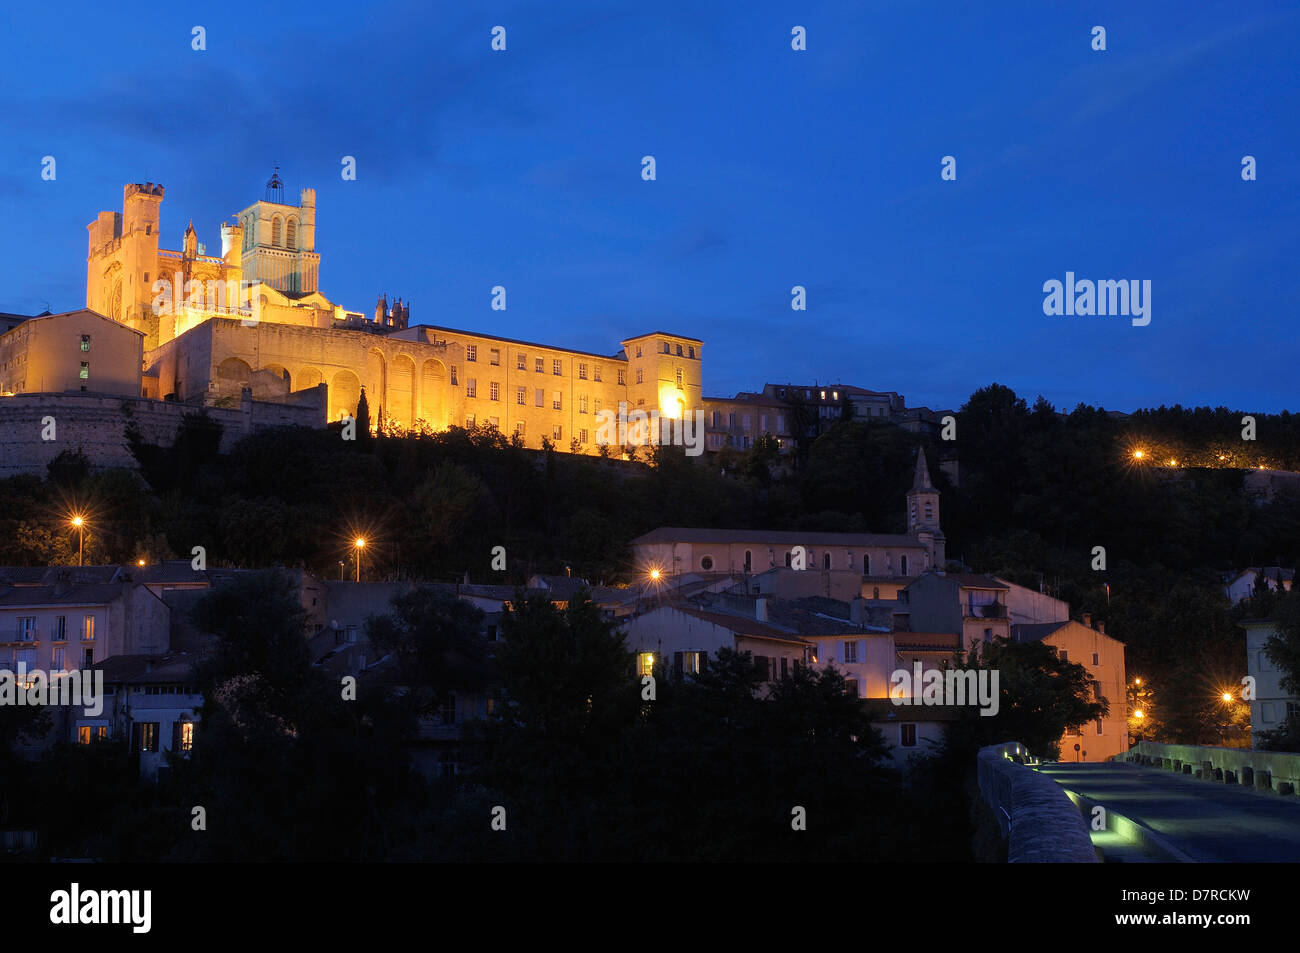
pixel 359 544
pixel 80 523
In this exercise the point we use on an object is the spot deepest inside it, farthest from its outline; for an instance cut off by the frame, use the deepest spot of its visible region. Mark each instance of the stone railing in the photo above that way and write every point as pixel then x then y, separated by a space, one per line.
pixel 1277 771
pixel 1038 820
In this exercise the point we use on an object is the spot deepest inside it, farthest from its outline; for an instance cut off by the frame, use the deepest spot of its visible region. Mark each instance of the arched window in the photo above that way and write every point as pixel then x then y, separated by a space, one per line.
pixel 275 231
pixel 866 564
pixel 826 560
pixel 749 561
pixel 903 562
pixel 789 559
pixel 291 236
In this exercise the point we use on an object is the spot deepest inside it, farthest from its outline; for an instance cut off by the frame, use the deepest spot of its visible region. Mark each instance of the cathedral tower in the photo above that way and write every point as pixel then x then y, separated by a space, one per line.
pixel 923 513
pixel 280 241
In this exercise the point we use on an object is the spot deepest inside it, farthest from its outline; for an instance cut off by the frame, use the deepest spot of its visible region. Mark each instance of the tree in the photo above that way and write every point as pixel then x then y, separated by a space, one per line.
pixel 1041 697
pixel 363 420
pixel 437 639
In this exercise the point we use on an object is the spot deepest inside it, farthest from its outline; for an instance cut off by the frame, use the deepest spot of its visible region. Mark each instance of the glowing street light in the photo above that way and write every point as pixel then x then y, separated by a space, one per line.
pixel 80 523
pixel 1138 714
pixel 359 544
pixel 1227 696
pixel 654 575
pixel 1139 454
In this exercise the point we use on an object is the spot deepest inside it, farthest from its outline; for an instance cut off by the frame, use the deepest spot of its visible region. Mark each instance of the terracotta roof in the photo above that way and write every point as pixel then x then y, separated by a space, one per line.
pixel 168 667
pixel 743 625
pixel 1035 631
pixel 936 641
pixel 73 595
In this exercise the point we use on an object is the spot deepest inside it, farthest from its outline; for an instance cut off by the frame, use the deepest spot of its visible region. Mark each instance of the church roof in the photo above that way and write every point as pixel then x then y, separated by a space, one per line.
pixel 680 534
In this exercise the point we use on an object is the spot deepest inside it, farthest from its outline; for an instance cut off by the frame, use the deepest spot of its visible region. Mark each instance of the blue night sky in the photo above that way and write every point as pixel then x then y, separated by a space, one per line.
pixel 775 168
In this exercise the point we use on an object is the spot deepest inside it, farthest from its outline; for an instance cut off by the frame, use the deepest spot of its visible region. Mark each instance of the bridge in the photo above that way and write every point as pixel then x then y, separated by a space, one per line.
pixel 1160 803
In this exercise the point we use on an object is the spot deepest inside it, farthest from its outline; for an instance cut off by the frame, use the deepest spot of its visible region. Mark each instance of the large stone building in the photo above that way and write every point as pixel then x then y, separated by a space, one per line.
pixel 253 325
pixel 255 318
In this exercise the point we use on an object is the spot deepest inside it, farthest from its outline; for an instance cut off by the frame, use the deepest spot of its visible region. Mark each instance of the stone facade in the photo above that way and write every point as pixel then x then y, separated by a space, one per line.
pixel 76 351
pixel 95 424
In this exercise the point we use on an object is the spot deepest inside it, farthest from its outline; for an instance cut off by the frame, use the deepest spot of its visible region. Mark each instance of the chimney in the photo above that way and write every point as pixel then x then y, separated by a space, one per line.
pixel 1087 619
pixel 1101 627
pixel 760 608
pixel 63 583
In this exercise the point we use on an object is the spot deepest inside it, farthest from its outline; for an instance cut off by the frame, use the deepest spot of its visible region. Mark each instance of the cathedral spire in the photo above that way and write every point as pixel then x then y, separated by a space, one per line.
pixel 922 479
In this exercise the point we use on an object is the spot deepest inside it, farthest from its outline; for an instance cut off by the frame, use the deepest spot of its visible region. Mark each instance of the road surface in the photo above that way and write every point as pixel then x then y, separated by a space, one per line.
pixel 1211 822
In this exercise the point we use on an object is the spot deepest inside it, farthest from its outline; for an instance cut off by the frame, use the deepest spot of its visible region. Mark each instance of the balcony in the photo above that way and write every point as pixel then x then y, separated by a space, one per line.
pixel 993 610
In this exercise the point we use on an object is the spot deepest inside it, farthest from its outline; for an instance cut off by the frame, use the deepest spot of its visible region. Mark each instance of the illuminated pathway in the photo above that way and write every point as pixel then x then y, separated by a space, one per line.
pixel 1209 822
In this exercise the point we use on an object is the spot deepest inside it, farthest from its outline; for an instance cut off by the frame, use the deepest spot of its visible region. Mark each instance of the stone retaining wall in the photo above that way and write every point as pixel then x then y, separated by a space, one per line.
pixel 1277 771
pixel 1040 822
pixel 95 424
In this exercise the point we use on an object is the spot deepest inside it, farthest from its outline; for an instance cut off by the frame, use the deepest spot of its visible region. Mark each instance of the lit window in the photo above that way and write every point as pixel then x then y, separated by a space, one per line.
pixel 144 736
pixel 85 338
pixel 88 628
pixel 646 663
pixel 85 370
pixel 187 736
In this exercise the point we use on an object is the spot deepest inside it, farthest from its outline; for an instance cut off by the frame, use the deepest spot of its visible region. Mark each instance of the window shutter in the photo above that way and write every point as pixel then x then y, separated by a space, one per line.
pixel 677 664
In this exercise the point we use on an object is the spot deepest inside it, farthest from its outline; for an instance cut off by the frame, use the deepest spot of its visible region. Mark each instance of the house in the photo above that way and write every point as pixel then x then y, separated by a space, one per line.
pixel 681 638
pixel 1272 704
pixel 1241 585
pixel 151 706
pixel 65 624
pixel 967 603
pixel 1103 656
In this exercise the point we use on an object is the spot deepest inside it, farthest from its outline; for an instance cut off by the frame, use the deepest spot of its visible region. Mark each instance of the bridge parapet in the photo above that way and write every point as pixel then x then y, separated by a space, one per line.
pixel 1038 820
pixel 1267 770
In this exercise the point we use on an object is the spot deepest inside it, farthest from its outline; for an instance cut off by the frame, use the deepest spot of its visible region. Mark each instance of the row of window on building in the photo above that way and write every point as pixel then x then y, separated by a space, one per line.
pixel 58 659
pixel 557 432
pixel 707 562
pixel 29 631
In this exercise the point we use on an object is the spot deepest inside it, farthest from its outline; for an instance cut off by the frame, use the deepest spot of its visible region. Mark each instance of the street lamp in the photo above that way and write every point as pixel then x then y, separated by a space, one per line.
pixel 80 523
pixel 359 544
